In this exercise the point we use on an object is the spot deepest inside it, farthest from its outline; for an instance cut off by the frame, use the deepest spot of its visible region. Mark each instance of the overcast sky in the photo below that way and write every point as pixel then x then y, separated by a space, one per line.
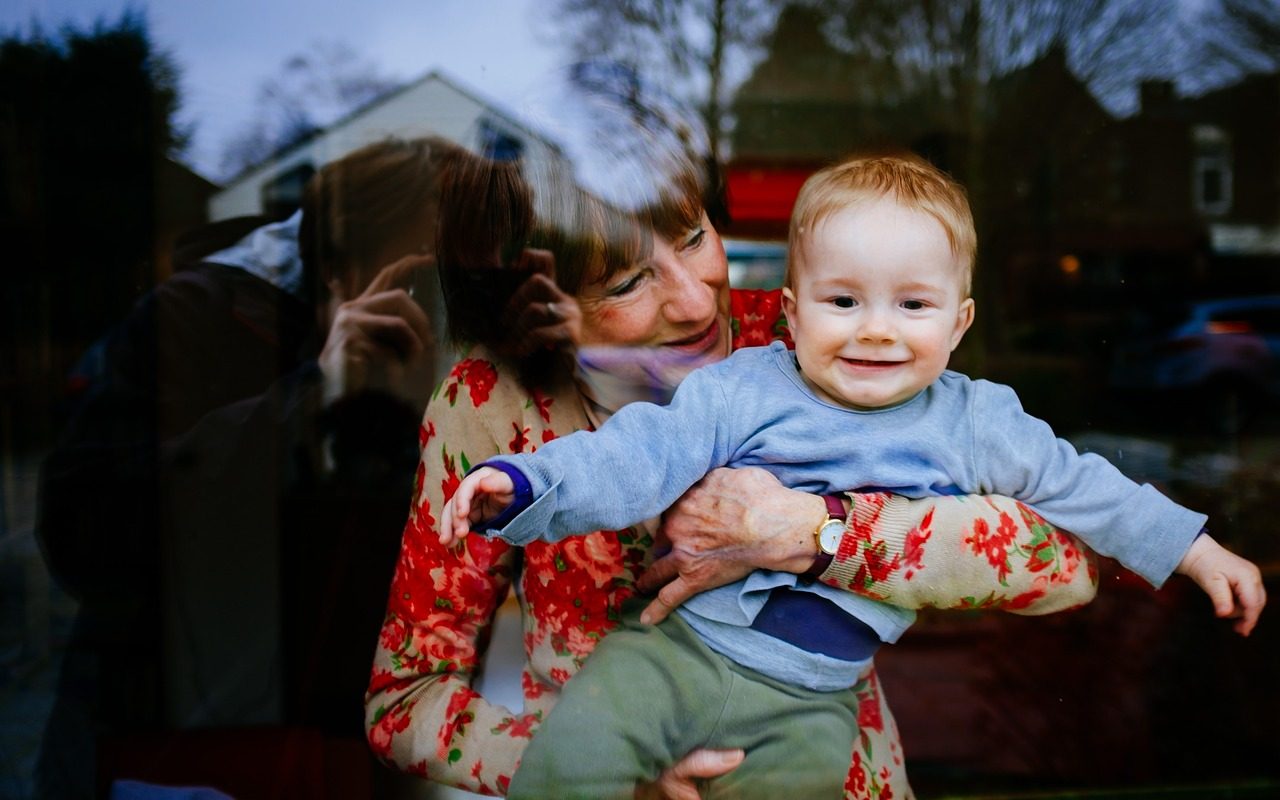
pixel 227 48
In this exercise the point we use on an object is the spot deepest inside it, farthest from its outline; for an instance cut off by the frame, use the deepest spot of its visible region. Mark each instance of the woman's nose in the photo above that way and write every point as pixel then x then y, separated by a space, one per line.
pixel 690 298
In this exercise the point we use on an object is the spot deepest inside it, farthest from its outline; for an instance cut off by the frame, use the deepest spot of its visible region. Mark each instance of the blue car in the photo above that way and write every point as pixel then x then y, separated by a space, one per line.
pixel 1227 348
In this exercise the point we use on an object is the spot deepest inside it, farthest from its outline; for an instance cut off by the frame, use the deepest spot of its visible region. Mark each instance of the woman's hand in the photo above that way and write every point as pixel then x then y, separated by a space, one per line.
pixel 679 781
pixel 731 522
pixel 381 339
pixel 540 316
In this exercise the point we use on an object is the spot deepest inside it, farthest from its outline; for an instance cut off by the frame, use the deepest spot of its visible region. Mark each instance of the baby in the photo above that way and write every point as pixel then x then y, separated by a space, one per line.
pixel 877 298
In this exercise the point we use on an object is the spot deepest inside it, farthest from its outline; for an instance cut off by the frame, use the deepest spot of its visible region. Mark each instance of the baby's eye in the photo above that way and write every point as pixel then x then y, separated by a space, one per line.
pixel 843 302
pixel 914 305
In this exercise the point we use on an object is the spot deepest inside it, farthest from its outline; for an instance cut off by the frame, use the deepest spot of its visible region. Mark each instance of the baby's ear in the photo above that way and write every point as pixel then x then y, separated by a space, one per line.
pixel 789 306
pixel 964 318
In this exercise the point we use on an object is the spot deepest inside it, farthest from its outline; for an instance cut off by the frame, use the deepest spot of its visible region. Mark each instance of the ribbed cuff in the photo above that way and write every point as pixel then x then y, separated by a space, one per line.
pixel 873 518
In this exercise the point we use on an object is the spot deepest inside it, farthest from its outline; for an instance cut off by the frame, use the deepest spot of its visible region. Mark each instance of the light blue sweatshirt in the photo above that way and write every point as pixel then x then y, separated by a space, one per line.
pixel 958 436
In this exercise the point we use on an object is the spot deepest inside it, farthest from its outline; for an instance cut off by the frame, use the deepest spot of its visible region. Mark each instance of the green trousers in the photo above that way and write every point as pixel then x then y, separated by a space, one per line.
pixel 649 695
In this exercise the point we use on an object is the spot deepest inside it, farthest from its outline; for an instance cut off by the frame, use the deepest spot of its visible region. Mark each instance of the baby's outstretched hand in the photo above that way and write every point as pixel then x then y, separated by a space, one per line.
pixel 1233 584
pixel 481 495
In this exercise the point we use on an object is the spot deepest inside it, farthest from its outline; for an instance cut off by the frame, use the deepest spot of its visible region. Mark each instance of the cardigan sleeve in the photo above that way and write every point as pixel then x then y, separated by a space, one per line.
pixel 964 552
pixel 422 714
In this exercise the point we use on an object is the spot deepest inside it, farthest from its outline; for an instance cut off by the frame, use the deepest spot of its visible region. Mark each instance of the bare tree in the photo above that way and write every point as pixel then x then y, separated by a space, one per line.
pixel 690 46
pixel 1241 37
pixel 312 89
pixel 949 50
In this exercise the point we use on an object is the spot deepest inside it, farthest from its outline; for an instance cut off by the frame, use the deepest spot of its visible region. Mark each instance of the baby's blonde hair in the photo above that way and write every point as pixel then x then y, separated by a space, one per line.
pixel 907 179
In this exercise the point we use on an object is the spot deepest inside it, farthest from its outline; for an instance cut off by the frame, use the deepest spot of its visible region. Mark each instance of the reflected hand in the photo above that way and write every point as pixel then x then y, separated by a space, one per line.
pixel 541 315
pixel 679 781
pixel 381 340
pixel 731 522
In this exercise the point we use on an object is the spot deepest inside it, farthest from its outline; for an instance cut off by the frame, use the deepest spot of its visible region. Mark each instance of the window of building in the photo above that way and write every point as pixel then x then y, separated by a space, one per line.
pixel 1211 170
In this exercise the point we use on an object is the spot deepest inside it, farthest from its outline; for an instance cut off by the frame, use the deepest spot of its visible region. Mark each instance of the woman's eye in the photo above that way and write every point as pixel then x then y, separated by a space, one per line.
pixel 694 239
pixel 843 302
pixel 625 286
pixel 913 305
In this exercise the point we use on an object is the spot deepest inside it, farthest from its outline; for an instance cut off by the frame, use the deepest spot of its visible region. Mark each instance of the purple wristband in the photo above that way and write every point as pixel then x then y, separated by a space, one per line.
pixel 523 491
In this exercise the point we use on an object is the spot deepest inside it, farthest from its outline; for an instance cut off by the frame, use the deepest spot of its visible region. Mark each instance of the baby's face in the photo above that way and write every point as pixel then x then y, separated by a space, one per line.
pixel 877 304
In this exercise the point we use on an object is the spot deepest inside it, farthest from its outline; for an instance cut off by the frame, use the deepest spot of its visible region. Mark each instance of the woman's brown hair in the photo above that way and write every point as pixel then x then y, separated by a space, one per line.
pixel 352 205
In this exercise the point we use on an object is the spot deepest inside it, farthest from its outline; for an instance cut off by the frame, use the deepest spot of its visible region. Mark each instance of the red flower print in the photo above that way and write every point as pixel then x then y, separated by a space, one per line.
pixel 856 782
pixel 393 634
pixel 878 568
pixel 560 676
pixel 446 641
pixel 547 436
pixel 425 432
pixel 476 769
pixel 457 717
pixel 1038 589
pixel 756 315
pixel 913 548
pixel 544 405
pixel 518 442
pixel 393 721
pixel 419 480
pixel 578 643
pixel 869 713
pixel 540 562
pixel 532 688
pixel 478 375
pixel 467 590
pixel 598 554
pixel 993 546
pixel 450 483
pixel 381 680
pixel 519 727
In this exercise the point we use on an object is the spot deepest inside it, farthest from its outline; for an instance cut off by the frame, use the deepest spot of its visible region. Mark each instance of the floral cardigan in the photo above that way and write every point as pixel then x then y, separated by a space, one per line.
pixel 421 712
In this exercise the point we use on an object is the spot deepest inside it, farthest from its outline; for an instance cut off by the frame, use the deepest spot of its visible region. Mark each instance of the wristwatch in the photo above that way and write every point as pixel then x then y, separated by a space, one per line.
pixel 828 536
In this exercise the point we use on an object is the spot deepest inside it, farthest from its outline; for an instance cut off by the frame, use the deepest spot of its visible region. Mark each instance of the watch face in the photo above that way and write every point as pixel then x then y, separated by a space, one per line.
pixel 829 536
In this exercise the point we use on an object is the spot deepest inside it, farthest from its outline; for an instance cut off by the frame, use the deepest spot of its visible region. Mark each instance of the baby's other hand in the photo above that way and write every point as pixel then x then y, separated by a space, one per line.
pixel 481 495
pixel 1234 584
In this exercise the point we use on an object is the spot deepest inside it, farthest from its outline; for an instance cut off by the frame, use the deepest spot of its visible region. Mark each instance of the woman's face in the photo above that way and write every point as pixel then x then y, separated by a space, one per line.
pixel 677 299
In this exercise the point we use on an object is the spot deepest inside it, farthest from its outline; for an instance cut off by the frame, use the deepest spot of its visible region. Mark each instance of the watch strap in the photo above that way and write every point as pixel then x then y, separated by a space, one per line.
pixel 835 510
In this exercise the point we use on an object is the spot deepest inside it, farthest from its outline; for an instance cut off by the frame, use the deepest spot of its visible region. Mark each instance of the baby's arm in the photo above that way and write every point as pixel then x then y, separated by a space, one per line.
pixel 483 494
pixel 1234 584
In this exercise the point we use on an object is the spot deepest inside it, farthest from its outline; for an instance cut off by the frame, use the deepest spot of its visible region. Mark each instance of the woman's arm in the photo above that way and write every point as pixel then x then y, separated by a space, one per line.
pixel 962 552
pixel 421 712
pixel 945 552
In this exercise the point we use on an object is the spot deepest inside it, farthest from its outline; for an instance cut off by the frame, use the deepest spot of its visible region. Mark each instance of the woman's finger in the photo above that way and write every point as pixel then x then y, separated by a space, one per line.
pixel 678 782
pixel 398 274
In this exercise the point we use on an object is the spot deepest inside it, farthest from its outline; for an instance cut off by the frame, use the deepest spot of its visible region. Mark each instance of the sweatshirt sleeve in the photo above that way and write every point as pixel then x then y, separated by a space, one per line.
pixel 634 467
pixel 1018 455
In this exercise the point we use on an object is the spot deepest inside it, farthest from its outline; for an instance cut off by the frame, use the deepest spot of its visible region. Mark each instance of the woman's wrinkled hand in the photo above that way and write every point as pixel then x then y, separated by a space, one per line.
pixel 731 522
pixel 680 780
pixel 540 316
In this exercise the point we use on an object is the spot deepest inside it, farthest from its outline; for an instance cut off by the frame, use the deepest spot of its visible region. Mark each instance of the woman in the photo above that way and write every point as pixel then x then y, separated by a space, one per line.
pixel 653 280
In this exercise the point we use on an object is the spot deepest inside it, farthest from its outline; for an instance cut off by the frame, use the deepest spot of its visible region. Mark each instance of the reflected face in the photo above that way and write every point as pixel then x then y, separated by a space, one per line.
pixel 877 304
pixel 677 300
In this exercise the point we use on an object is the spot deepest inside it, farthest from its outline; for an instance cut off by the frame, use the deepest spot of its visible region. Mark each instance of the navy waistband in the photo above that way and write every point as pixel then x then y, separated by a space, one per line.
pixel 816 625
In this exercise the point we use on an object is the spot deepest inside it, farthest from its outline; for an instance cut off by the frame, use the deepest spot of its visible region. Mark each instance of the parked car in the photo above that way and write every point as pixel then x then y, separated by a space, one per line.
pixel 1227 351
pixel 755 264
